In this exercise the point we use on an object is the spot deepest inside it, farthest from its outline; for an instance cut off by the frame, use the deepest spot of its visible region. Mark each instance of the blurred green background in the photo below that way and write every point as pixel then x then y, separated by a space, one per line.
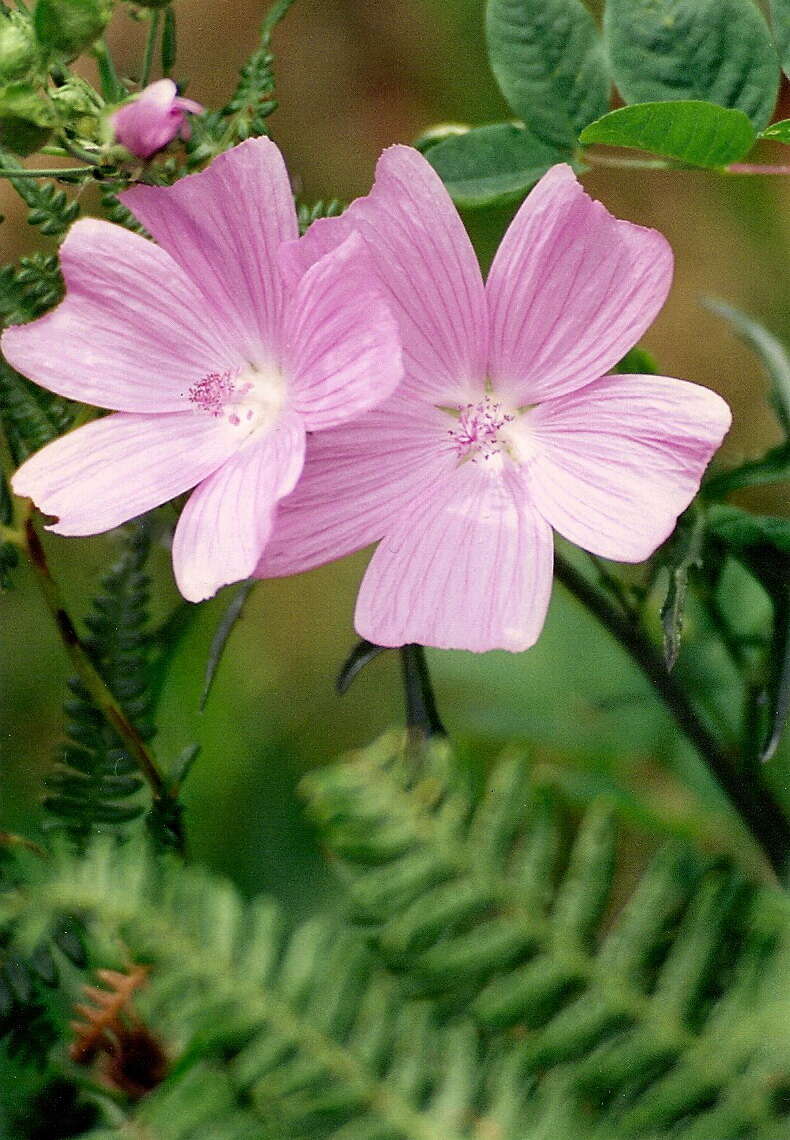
pixel 353 78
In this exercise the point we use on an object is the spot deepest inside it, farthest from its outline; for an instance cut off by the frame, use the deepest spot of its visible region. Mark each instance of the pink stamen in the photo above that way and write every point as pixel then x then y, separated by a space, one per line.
pixel 212 393
pixel 478 429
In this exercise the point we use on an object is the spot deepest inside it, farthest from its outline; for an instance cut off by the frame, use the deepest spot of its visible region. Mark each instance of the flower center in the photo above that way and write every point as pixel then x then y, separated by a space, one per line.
pixel 248 401
pixel 480 432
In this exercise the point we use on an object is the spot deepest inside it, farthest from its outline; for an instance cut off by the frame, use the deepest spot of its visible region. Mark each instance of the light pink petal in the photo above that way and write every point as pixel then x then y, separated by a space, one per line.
pixel 133 333
pixel 617 461
pixel 468 567
pixel 224 526
pixel 116 468
pixel 153 119
pixel 342 345
pixel 356 478
pixel 426 262
pixel 224 226
pixel 571 289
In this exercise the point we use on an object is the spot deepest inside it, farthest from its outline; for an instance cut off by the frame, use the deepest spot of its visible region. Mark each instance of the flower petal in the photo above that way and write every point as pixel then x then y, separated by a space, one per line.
pixel 224 526
pixel 342 342
pixel 617 461
pixel 468 567
pixel 133 333
pixel 116 468
pixel 224 226
pixel 428 266
pixel 356 478
pixel 571 289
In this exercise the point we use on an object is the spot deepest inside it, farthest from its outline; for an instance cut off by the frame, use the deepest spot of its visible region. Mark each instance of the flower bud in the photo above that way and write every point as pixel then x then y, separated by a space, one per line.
pixel 25 119
pixel 18 48
pixel 152 120
pixel 69 26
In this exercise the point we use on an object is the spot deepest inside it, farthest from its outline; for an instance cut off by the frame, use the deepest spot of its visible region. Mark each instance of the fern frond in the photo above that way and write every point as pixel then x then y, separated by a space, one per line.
pixel 49 207
pixel 332 208
pixel 96 783
pixel 115 211
pixel 317 1041
pixel 503 907
pixel 31 416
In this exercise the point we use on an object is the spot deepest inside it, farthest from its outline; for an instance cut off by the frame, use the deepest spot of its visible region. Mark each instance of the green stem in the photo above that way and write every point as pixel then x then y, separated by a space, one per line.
pixel 111 87
pixel 422 716
pixel 98 690
pixel 56 172
pixel 150 44
pixel 761 814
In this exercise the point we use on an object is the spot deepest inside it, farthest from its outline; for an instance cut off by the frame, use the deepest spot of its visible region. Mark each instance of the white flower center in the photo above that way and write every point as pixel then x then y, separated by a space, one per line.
pixel 248 401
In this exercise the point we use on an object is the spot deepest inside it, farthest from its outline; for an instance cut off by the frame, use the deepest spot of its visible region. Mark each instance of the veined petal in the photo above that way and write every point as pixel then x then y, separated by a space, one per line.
pixel 356 478
pixel 116 468
pixel 133 332
pixel 225 524
pixel 468 567
pixel 342 345
pixel 224 226
pixel 427 264
pixel 616 462
pixel 571 289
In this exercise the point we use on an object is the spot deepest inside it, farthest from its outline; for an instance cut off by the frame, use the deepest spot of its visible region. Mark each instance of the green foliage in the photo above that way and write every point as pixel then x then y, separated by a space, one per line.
pixel 69 26
pixel 31 416
pixel 701 134
pixel 30 288
pixel 715 50
pixel 685 552
pixel 491 164
pixel 332 208
pixel 742 530
pixel 777 132
pixel 547 58
pixel 780 12
pixel 96 783
pixel 115 211
pixel 773 467
pixel 26 121
pixel 18 49
pixel 50 208
pixel 502 907
pixel 769 349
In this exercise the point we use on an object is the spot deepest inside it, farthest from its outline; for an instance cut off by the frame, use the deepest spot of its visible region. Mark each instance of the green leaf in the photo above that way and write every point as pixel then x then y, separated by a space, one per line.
pixel 225 628
pixel 548 60
pixel 26 121
pixel 773 467
pixel 780 13
pixel 689 130
pixel 741 530
pixel 686 550
pixel 491 164
pixel 638 360
pixel 769 348
pixel 716 50
pixel 777 132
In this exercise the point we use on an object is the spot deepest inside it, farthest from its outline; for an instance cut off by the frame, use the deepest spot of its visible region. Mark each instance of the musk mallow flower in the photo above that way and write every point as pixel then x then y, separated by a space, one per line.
pixel 507 424
pixel 151 120
pixel 214 367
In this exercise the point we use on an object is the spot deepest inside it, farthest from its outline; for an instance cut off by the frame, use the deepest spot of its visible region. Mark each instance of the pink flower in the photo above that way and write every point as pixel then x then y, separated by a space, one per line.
pixel 153 119
pixel 215 367
pixel 506 424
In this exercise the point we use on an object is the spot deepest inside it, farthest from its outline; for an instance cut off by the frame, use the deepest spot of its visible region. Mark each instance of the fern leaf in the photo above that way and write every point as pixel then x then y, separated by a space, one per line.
pixel 49 207
pixel 502 907
pixel 96 784
pixel 332 208
pixel 31 416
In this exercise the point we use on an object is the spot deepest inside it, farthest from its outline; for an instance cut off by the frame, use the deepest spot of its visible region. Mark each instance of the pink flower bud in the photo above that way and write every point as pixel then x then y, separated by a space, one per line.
pixel 153 119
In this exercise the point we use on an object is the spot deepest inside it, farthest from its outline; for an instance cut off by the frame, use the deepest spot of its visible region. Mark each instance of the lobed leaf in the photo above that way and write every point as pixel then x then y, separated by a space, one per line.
pixel 689 130
pixel 547 58
pixel 494 164
pixel 719 51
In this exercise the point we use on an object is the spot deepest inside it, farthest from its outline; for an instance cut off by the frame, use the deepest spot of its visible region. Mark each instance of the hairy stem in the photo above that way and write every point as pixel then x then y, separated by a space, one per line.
pixel 54 172
pixel 422 716
pixel 98 690
pixel 758 810
pixel 150 44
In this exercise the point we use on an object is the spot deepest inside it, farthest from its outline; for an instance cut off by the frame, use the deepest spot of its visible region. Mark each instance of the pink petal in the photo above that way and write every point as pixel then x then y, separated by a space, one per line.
pixel 224 226
pixel 427 263
pixel 224 526
pixel 356 478
pixel 468 567
pixel 153 119
pixel 617 461
pixel 116 468
pixel 133 333
pixel 571 289
pixel 342 342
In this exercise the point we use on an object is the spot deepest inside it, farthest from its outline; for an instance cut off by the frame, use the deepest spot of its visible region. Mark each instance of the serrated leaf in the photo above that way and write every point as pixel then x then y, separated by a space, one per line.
pixel 716 50
pixel 491 164
pixel 769 348
pixel 777 132
pixel 689 130
pixel 547 58
pixel 686 553
pixel 773 467
pixel 780 14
